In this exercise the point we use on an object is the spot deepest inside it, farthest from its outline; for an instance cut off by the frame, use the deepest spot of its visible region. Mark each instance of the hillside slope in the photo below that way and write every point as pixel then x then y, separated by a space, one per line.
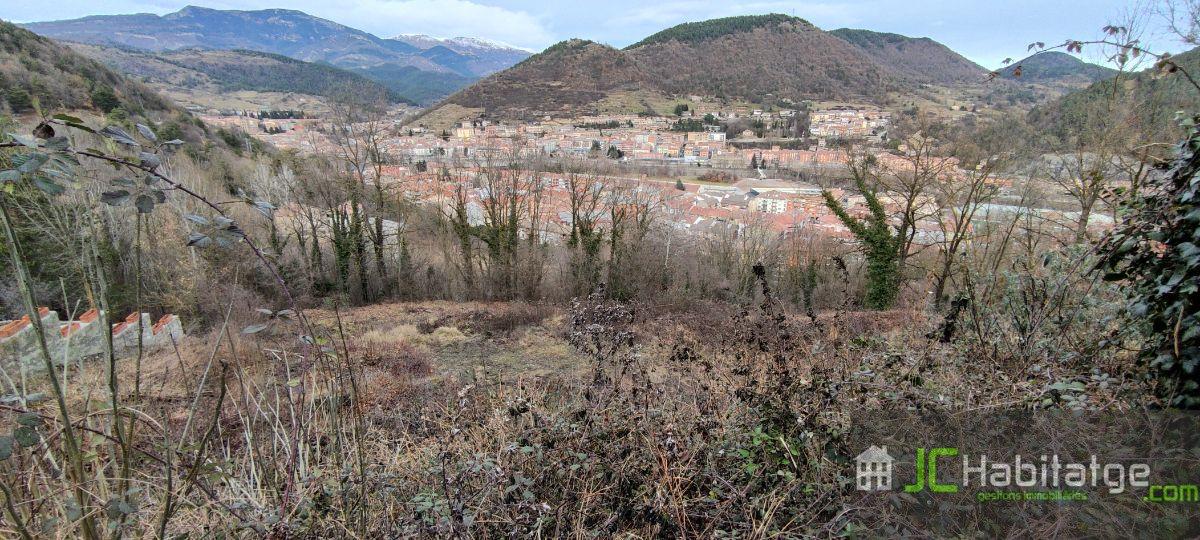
pixel 565 78
pixel 751 57
pixel 426 70
pixel 1057 68
pixel 231 71
pixel 722 58
pixel 918 59
pixel 1155 100
pixel 34 68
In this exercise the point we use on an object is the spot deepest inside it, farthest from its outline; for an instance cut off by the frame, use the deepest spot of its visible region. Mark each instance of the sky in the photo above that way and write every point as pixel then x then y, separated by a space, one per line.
pixel 986 31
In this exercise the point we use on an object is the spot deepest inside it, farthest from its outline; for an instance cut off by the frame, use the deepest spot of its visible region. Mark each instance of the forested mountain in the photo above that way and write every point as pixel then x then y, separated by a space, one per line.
pixel 434 71
pixel 721 57
pixel 917 59
pixel 566 77
pixel 1149 102
pixel 40 70
pixel 1056 67
pixel 226 71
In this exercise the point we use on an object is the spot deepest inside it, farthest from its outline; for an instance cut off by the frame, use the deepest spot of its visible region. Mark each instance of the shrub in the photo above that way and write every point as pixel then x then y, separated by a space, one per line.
pixel 1155 252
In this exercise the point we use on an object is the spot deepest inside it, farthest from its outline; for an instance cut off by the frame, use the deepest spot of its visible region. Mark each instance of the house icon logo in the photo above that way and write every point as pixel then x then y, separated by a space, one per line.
pixel 874 469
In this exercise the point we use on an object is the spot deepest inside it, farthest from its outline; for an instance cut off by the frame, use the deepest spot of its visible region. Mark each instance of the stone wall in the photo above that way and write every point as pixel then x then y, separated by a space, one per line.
pixel 82 338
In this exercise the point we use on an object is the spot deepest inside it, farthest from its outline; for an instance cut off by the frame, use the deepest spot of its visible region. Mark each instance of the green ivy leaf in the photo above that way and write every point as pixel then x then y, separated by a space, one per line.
pixel 30 419
pixel 115 197
pixel 144 203
pixel 26 436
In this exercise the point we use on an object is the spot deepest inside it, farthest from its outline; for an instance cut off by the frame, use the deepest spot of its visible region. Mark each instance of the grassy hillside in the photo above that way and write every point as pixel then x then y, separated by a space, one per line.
pixel 34 68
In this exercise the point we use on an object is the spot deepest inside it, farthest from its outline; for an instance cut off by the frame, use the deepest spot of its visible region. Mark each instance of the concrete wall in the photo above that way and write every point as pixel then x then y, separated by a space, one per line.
pixel 70 341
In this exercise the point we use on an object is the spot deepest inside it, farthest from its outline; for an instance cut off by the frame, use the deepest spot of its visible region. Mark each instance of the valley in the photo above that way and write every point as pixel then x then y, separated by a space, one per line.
pixel 267 275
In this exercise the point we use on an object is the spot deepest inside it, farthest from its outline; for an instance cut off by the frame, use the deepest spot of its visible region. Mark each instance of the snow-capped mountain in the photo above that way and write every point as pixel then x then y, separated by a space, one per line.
pixel 466 55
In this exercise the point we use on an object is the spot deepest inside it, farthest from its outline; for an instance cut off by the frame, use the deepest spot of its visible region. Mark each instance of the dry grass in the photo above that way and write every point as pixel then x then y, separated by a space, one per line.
pixel 500 419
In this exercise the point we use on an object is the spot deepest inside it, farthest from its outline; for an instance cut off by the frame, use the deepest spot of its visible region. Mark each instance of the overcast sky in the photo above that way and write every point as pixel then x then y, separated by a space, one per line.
pixel 985 31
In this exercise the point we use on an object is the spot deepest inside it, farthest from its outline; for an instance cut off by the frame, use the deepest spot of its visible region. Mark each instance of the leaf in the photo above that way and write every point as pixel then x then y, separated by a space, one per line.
pixel 173 142
pixel 11 175
pixel 144 203
pixel 6 447
pixel 115 198
pixel 149 160
pixel 118 135
pixel 198 220
pixel 199 240
pixel 23 140
pixel 264 207
pixel 147 132
pixel 43 131
pixel 57 144
pixel 67 118
pixel 30 419
pixel 26 436
pixel 48 186
pixel 27 163
pixel 255 328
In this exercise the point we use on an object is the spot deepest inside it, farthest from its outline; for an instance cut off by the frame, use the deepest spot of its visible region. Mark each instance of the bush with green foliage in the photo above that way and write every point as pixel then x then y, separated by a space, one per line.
pixel 1156 250
pixel 18 100
pixel 105 99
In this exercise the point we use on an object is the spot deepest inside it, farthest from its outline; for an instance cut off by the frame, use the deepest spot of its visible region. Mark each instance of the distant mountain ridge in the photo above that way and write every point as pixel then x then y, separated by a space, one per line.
pixel 757 57
pixel 1155 100
pixel 297 35
pixel 1056 67
pixel 232 71
pixel 919 59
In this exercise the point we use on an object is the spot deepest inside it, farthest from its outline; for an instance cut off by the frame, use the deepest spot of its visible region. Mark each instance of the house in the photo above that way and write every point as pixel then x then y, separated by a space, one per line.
pixel 873 469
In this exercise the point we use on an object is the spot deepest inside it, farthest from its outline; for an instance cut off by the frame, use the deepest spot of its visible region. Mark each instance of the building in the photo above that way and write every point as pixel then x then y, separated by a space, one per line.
pixel 873 470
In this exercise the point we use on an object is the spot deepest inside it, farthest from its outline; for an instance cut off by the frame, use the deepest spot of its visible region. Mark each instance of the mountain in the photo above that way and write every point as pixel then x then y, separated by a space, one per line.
pixel 1155 99
pixel 218 72
pixel 1055 67
pixel 565 78
pixel 720 57
pixel 917 59
pixel 33 68
pixel 468 56
pixel 294 34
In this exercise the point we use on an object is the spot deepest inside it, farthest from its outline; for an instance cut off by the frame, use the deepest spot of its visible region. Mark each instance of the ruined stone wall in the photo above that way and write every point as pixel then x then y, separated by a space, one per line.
pixel 71 341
